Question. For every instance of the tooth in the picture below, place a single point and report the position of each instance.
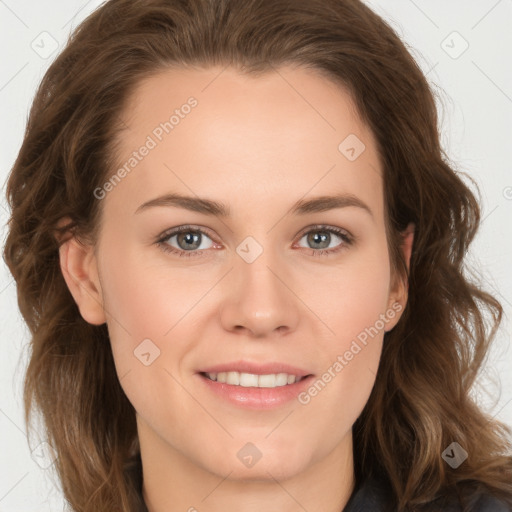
(252, 380)
(281, 379)
(248, 380)
(232, 378)
(266, 381)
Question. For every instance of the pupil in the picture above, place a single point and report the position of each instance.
(189, 238)
(323, 237)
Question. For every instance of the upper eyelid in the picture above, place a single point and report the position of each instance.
(174, 231)
(318, 227)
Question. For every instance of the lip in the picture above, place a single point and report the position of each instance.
(256, 369)
(253, 397)
(256, 398)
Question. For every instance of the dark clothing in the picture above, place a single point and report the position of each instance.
(375, 495)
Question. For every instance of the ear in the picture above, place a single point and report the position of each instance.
(399, 293)
(79, 268)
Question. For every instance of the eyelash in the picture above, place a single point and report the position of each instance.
(161, 242)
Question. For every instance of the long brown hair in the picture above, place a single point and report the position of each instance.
(421, 399)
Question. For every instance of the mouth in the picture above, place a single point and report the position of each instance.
(256, 386)
(253, 380)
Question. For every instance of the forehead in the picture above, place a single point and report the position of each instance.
(222, 134)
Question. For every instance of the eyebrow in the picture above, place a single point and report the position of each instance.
(218, 209)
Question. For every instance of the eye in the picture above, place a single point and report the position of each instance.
(320, 238)
(189, 241)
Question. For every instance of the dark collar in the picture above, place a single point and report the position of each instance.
(374, 494)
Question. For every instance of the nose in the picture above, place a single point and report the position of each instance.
(260, 301)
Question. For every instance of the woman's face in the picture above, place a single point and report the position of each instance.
(278, 282)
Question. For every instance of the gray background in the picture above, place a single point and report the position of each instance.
(464, 47)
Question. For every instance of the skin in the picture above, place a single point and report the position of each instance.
(258, 145)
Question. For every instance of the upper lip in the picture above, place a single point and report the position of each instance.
(256, 368)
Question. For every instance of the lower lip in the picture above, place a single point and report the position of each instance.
(257, 398)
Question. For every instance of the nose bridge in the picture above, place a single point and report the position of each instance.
(258, 298)
(257, 266)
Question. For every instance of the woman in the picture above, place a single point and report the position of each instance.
(239, 249)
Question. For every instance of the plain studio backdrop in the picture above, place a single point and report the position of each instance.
(464, 47)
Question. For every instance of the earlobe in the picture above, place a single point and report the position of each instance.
(79, 269)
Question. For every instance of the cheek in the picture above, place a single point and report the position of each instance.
(353, 307)
(149, 328)
(153, 312)
(350, 297)
(144, 294)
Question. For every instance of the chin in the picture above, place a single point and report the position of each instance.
(266, 464)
